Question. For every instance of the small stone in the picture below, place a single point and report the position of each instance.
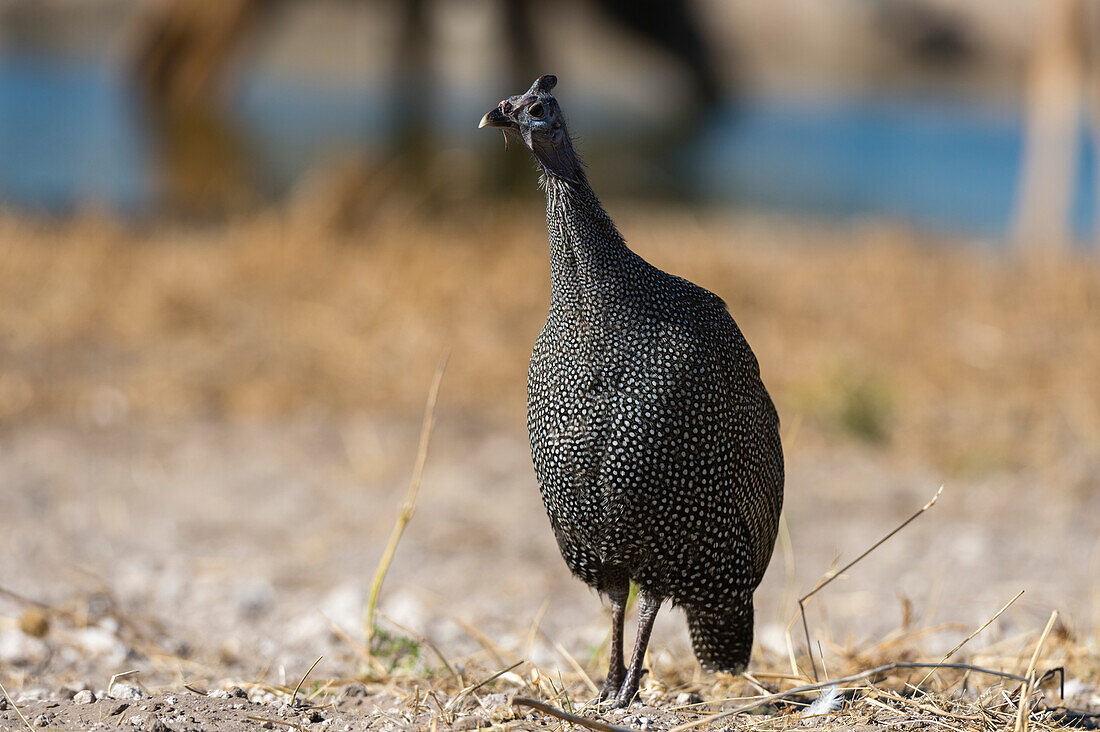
(3, 704)
(171, 700)
(127, 691)
(267, 725)
(315, 716)
(686, 698)
(219, 694)
(237, 692)
(42, 720)
(84, 697)
(468, 723)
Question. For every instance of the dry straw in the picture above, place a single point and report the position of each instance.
(1030, 681)
(408, 507)
(828, 578)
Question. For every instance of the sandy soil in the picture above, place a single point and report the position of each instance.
(205, 437)
(222, 554)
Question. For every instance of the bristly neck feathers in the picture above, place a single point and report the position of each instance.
(586, 250)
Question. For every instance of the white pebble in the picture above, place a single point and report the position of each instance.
(128, 692)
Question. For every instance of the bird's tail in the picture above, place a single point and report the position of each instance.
(722, 639)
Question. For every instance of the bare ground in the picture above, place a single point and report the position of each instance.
(204, 442)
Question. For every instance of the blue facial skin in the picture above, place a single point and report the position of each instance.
(537, 119)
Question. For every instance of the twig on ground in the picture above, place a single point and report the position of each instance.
(968, 638)
(825, 581)
(446, 716)
(843, 680)
(409, 506)
(926, 707)
(754, 682)
(522, 701)
(496, 676)
(118, 676)
(294, 694)
(453, 703)
(1029, 683)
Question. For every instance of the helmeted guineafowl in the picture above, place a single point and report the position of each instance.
(655, 444)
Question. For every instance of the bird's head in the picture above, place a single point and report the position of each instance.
(535, 117)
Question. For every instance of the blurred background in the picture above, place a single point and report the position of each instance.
(237, 235)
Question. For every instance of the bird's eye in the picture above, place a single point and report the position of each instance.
(536, 110)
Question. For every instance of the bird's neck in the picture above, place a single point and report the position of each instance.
(586, 250)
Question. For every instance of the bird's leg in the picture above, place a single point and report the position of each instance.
(648, 605)
(616, 670)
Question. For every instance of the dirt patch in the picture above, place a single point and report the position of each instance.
(339, 708)
(205, 437)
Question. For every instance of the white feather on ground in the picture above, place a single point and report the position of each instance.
(829, 701)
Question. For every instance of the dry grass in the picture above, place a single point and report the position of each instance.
(954, 356)
(871, 688)
(411, 689)
(960, 356)
(676, 695)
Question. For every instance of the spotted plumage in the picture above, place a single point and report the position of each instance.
(655, 443)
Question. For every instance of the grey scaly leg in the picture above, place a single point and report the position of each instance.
(616, 670)
(648, 605)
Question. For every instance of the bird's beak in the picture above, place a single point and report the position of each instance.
(494, 118)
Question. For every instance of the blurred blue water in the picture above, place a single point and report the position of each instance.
(935, 162)
(70, 132)
(68, 135)
(292, 125)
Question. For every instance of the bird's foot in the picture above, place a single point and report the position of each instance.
(625, 697)
(609, 692)
(606, 698)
